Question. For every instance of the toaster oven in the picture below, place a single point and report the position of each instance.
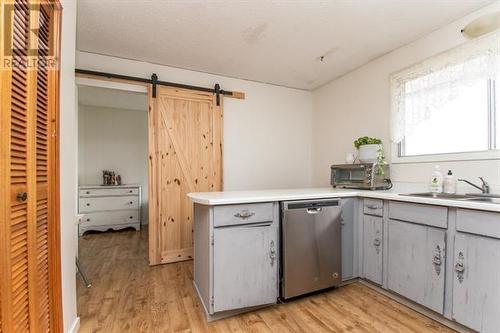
(368, 176)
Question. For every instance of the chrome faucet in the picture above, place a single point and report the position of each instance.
(485, 187)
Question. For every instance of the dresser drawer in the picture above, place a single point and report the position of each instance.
(435, 216)
(108, 191)
(479, 222)
(373, 207)
(91, 204)
(110, 218)
(243, 214)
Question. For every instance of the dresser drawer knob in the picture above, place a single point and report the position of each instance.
(131, 217)
(88, 192)
(130, 191)
(88, 220)
(88, 204)
(131, 202)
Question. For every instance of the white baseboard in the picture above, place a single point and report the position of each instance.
(75, 327)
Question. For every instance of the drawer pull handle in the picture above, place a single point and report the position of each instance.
(272, 253)
(130, 191)
(245, 214)
(372, 207)
(460, 267)
(131, 217)
(88, 220)
(88, 204)
(22, 196)
(131, 202)
(377, 242)
(436, 260)
(88, 192)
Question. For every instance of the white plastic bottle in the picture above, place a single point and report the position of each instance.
(436, 185)
(449, 183)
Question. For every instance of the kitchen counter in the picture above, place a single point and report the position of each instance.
(240, 197)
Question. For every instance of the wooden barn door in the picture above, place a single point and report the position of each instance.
(30, 287)
(185, 143)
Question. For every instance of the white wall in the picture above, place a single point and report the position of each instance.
(68, 165)
(113, 139)
(357, 104)
(267, 136)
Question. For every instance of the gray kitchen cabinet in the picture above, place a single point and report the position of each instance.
(416, 263)
(236, 257)
(476, 282)
(372, 248)
(348, 239)
(245, 266)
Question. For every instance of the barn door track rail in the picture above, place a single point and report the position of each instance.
(155, 82)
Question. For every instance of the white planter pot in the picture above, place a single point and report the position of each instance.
(368, 153)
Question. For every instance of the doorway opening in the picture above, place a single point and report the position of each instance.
(112, 188)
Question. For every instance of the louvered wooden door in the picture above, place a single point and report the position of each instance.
(30, 291)
(185, 141)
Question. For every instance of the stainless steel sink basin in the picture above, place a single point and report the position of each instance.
(492, 200)
(438, 195)
(486, 198)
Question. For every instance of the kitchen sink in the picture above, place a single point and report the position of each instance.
(439, 195)
(493, 200)
(486, 198)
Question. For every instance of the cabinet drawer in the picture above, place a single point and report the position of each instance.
(434, 216)
(110, 218)
(91, 204)
(478, 222)
(373, 207)
(243, 214)
(105, 191)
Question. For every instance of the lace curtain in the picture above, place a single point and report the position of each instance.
(420, 90)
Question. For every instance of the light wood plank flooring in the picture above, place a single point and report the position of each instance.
(129, 296)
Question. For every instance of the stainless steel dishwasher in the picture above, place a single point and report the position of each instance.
(311, 249)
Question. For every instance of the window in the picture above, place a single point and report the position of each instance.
(447, 105)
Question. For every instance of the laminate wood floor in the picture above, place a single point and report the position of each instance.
(129, 296)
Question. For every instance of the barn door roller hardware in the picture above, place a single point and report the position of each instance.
(217, 94)
(155, 82)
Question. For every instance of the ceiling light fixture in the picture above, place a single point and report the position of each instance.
(482, 25)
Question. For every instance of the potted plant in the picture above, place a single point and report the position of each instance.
(369, 149)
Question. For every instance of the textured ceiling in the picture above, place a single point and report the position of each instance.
(278, 42)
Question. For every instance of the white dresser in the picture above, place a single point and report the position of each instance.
(109, 207)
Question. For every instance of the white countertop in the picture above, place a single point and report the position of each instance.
(239, 197)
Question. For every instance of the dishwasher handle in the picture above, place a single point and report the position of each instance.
(313, 210)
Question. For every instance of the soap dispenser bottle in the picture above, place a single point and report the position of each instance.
(436, 185)
(449, 183)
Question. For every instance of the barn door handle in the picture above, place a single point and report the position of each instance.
(22, 196)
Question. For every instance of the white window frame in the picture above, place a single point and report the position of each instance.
(493, 153)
